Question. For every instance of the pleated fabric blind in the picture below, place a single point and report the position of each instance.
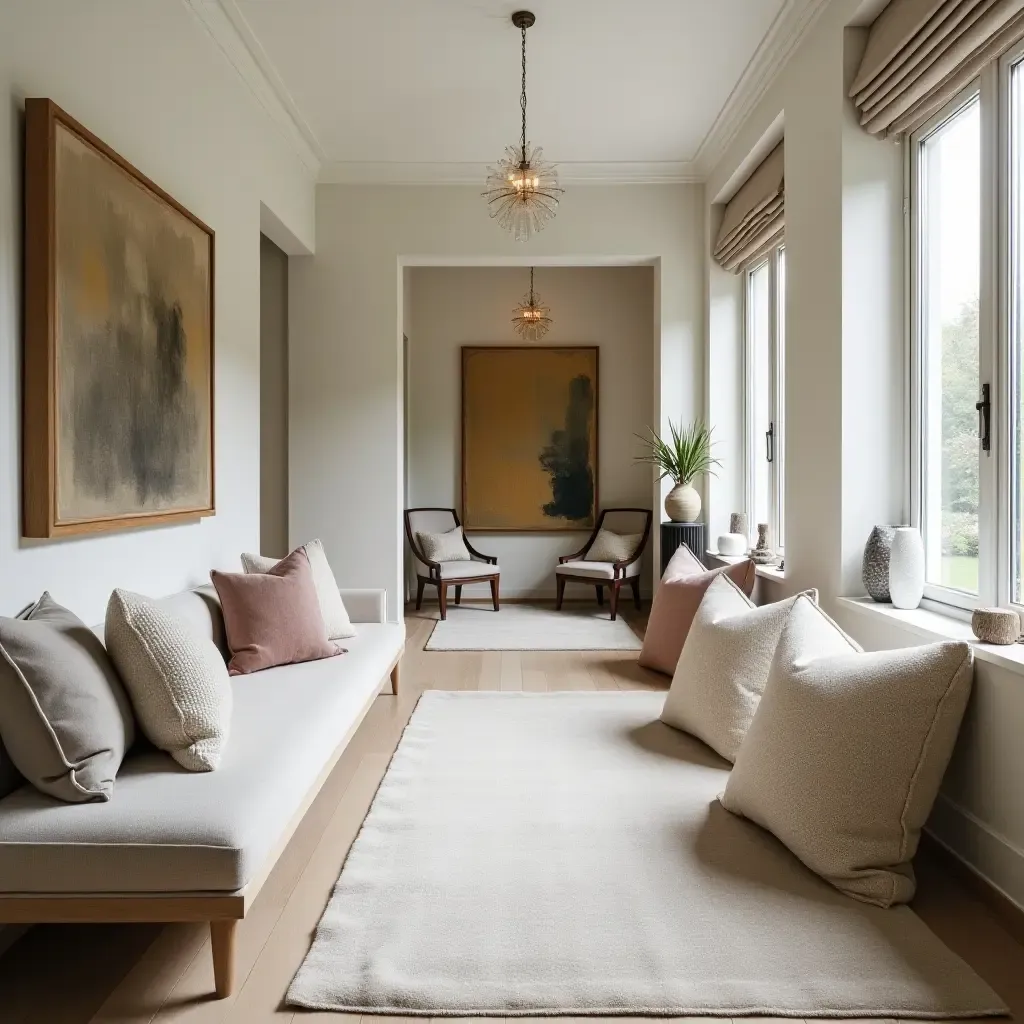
(755, 216)
(921, 53)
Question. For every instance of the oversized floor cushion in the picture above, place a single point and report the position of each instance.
(170, 830)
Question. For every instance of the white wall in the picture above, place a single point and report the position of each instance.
(845, 395)
(346, 329)
(611, 307)
(273, 399)
(148, 79)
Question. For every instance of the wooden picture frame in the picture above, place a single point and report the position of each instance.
(144, 387)
(522, 484)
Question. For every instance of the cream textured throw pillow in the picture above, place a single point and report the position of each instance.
(332, 607)
(444, 547)
(613, 547)
(177, 680)
(845, 755)
(724, 665)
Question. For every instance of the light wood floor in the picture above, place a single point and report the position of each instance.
(139, 973)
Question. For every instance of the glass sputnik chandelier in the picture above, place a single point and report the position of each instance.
(522, 189)
(532, 318)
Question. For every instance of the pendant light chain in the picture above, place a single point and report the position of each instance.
(531, 286)
(522, 96)
(522, 188)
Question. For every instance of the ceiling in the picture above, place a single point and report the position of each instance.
(429, 89)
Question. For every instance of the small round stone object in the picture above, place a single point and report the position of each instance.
(996, 625)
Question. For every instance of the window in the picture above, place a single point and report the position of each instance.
(949, 237)
(765, 311)
(966, 235)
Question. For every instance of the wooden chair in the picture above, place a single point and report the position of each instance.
(612, 575)
(482, 568)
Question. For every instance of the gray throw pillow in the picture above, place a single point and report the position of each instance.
(10, 778)
(65, 719)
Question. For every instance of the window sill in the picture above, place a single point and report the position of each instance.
(933, 625)
(766, 572)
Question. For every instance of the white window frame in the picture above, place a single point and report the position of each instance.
(995, 321)
(757, 446)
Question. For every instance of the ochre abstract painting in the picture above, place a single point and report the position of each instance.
(529, 438)
(127, 341)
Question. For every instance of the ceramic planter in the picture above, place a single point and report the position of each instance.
(682, 504)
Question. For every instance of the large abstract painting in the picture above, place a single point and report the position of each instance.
(118, 419)
(529, 438)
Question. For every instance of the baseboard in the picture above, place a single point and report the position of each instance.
(988, 863)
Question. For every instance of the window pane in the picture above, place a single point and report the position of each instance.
(761, 383)
(950, 242)
(780, 401)
(1017, 326)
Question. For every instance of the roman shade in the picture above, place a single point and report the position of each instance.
(754, 218)
(921, 53)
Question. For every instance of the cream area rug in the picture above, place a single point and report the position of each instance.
(564, 854)
(525, 627)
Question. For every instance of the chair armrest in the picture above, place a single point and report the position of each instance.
(365, 605)
(478, 555)
(575, 556)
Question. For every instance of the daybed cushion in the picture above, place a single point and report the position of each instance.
(596, 570)
(169, 830)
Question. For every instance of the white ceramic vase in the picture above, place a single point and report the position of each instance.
(732, 544)
(906, 568)
(682, 504)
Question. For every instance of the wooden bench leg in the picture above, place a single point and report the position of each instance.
(394, 678)
(222, 937)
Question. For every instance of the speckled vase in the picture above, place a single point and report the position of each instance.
(875, 567)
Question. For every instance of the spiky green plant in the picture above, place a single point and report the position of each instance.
(685, 455)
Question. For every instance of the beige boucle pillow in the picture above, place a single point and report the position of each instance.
(724, 664)
(846, 753)
(613, 547)
(177, 680)
(445, 547)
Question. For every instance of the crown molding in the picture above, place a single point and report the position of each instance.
(791, 25)
(229, 30)
(352, 172)
(226, 24)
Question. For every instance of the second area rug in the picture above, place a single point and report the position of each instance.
(526, 627)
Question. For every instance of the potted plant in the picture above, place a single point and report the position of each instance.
(685, 456)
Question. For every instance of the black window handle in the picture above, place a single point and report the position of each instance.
(984, 408)
(769, 438)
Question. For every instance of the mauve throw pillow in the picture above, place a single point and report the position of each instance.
(272, 618)
(675, 604)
